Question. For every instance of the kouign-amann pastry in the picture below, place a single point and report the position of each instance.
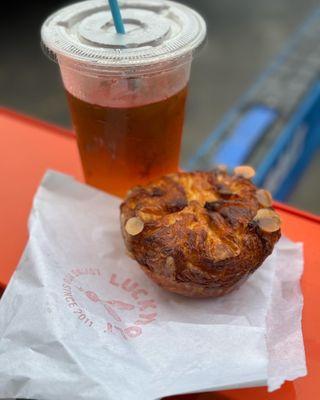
(200, 234)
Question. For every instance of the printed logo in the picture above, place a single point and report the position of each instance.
(124, 310)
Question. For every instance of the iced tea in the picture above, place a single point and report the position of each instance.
(126, 92)
(123, 147)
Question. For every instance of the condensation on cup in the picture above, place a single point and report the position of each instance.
(126, 93)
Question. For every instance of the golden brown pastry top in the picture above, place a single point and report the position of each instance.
(205, 223)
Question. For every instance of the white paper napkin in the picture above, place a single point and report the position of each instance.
(79, 320)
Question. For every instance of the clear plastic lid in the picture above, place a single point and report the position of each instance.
(156, 31)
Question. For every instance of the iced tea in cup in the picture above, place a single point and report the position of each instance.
(126, 92)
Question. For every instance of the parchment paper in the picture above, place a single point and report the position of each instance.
(79, 320)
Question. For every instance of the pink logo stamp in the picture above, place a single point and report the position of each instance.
(123, 306)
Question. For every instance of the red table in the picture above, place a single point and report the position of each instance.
(31, 147)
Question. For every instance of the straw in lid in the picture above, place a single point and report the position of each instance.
(156, 31)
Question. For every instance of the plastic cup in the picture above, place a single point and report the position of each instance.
(126, 93)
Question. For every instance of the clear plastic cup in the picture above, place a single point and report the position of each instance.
(126, 92)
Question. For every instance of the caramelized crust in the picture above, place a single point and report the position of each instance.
(199, 236)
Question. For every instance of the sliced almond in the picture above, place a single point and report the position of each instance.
(264, 198)
(245, 171)
(269, 225)
(221, 167)
(267, 213)
(268, 220)
(170, 262)
(134, 226)
(170, 267)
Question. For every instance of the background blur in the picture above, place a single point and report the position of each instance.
(244, 36)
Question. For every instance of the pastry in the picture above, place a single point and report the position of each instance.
(200, 234)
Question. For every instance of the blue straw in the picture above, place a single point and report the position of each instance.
(116, 14)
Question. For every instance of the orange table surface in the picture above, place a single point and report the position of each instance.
(31, 147)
